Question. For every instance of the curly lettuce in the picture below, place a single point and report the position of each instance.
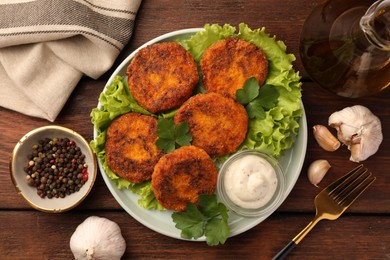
(115, 101)
(274, 133)
(277, 132)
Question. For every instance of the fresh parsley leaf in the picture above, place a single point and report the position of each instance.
(208, 205)
(182, 136)
(217, 228)
(171, 136)
(165, 128)
(255, 109)
(249, 92)
(210, 219)
(165, 144)
(223, 211)
(268, 96)
(216, 231)
(257, 100)
(190, 222)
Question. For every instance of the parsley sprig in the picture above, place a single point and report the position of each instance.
(171, 136)
(210, 218)
(257, 100)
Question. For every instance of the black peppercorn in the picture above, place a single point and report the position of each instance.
(53, 167)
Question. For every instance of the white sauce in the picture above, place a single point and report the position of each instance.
(250, 182)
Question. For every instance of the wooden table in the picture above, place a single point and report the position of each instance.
(363, 232)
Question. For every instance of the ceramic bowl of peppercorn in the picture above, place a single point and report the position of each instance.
(53, 168)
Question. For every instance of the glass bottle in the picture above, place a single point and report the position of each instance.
(345, 46)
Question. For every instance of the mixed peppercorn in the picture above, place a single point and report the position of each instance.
(56, 168)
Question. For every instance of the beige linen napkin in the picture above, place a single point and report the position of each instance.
(46, 46)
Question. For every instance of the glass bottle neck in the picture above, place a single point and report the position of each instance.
(376, 24)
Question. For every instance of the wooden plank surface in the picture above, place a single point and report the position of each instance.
(362, 233)
(43, 236)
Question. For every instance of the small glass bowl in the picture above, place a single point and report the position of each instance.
(264, 210)
(19, 159)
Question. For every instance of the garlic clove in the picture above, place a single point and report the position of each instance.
(355, 152)
(359, 129)
(325, 138)
(317, 171)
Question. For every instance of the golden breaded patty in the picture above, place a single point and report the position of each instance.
(130, 147)
(162, 76)
(228, 63)
(218, 124)
(182, 175)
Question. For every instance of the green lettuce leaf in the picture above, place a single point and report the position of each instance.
(275, 130)
(200, 41)
(147, 199)
(115, 101)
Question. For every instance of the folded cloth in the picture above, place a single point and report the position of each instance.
(46, 46)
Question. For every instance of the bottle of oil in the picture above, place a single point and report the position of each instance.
(345, 46)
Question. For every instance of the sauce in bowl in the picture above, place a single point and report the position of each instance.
(251, 183)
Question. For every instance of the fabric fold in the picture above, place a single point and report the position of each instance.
(46, 46)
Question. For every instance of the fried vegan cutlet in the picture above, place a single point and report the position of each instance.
(217, 124)
(162, 76)
(130, 147)
(228, 63)
(182, 175)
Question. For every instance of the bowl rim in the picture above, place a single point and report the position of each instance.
(276, 197)
(18, 146)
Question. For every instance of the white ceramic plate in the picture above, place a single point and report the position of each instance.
(161, 222)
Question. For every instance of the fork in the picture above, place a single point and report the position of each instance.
(332, 201)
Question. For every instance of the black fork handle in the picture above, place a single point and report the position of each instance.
(285, 251)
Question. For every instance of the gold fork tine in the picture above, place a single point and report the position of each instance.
(354, 178)
(333, 186)
(357, 191)
(332, 201)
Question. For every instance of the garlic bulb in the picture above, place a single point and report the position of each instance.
(325, 138)
(359, 129)
(97, 238)
(317, 171)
